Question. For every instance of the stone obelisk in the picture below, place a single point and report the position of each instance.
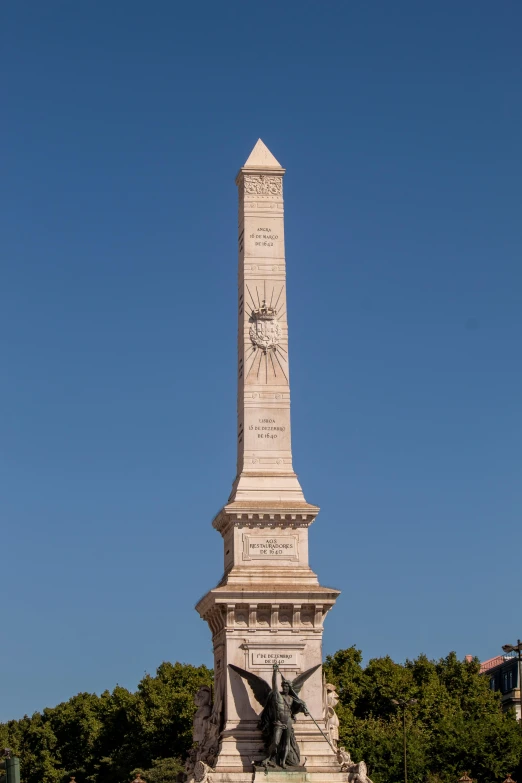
(264, 452)
(268, 607)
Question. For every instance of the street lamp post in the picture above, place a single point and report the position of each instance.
(518, 649)
(404, 703)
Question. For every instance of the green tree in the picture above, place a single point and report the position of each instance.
(76, 725)
(39, 752)
(154, 723)
(162, 771)
(456, 724)
(101, 739)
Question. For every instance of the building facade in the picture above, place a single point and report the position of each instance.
(503, 674)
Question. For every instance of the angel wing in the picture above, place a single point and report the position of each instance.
(260, 688)
(300, 680)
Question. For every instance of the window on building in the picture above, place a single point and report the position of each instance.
(492, 683)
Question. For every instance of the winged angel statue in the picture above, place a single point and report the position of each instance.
(278, 715)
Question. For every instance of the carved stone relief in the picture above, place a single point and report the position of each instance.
(241, 615)
(331, 699)
(263, 185)
(265, 331)
(357, 773)
(207, 727)
(263, 615)
(285, 615)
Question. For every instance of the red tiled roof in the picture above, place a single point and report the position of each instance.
(491, 663)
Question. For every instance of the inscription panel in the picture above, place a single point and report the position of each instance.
(266, 429)
(269, 657)
(264, 237)
(270, 548)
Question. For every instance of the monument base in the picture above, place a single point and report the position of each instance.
(242, 746)
(288, 776)
(259, 775)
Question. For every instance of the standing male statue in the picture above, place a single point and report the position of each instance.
(278, 715)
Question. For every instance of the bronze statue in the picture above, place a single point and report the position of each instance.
(278, 715)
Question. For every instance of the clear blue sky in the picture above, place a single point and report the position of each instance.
(124, 124)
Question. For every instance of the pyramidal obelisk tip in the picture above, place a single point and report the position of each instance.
(261, 158)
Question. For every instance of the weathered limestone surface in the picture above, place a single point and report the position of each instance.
(269, 606)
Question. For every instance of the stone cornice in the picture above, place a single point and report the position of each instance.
(265, 514)
(293, 594)
(258, 171)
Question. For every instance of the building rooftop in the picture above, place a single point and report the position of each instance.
(491, 663)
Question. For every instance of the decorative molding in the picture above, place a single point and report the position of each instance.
(262, 206)
(271, 523)
(263, 185)
(223, 522)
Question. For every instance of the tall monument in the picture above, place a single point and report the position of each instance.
(269, 607)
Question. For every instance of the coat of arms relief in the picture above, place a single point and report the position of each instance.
(265, 331)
